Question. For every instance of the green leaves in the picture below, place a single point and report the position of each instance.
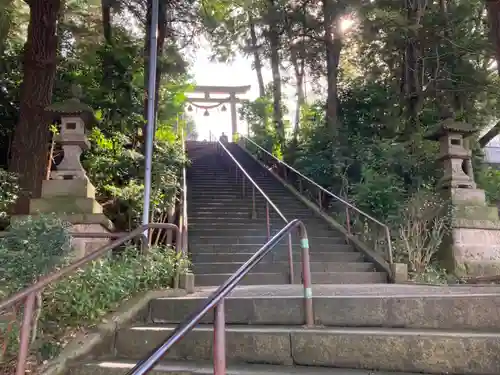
(91, 292)
(44, 240)
(8, 193)
(37, 246)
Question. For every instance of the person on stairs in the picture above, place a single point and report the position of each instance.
(223, 139)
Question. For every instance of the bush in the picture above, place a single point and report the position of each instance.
(488, 178)
(94, 290)
(8, 194)
(422, 227)
(43, 240)
(82, 298)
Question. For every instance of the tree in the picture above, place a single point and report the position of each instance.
(29, 147)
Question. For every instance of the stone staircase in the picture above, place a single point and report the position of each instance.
(223, 235)
(361, 329)
(379, 329)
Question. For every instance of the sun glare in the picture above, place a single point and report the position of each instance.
(346, 23)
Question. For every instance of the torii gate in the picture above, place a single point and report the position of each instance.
(231, 98)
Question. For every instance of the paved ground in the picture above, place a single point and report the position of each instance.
(375, 290)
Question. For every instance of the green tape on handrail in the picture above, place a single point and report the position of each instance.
(308, 293)
(304, 243)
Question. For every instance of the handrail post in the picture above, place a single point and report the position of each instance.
(268, 222)
(24, 339)
(254, 212)
(219, 345)
(243, 186)
(320, 200)
(290, 259)
(348, 220)
(306, 276)
(389, 244)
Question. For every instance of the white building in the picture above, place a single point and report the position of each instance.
(492, 151)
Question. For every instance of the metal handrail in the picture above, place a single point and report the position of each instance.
(269, 203)
(336, 197)
(216, 301)
(183, 220)
(30, 293)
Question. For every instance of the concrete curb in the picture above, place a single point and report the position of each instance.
(132, 310)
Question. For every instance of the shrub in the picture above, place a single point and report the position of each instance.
(8, 194)
(43, 240)
(79, 299)
(488, 178)
(421, 230)
(93, 291)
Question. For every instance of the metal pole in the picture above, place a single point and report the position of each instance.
(24, 341)
(268, 221)
(219, 346)
(306, 278)
(290, 259)
(151, 114)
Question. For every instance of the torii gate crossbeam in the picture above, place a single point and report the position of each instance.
(231, 98)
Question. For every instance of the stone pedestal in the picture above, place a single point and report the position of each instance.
(472, 247)
(74, 201)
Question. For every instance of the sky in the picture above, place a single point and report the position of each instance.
(205, 72)
(238, 73)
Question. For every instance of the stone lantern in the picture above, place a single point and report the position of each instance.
(74, 117)
(69, 193)
(472, 245)
(454, 154)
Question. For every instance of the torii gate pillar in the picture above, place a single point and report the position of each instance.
(229, 96)
(234, 117)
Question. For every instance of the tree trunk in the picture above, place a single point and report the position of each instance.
(106, 20)
(256, 57)
(274, 42)
(333, 47)
(493, 7)
(31, 135)
(413, 67)
(298, 67)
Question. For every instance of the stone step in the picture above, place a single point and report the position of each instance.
(230, 187)
(209, 195)
(246, 210)
(282, 267)
(204, 227)
(229, 257)
(228, 181)
(279, 250)
(116, 367)
(253, 224)
(219, 220)
(214, 241)
(428, 351)
(249, 230)
(203, 241)
(274, 218)
(389, 306)
(262, 278)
